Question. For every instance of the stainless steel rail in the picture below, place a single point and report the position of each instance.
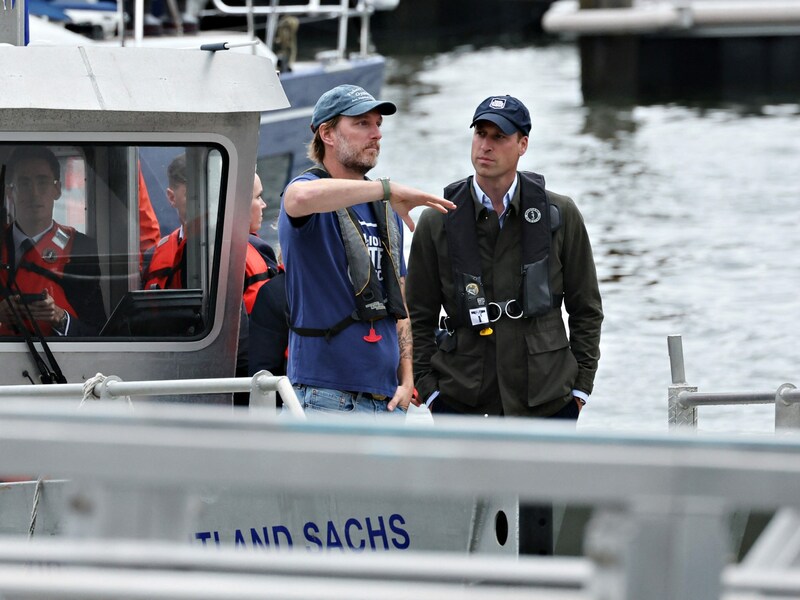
(434, 571)
(684, 399)
(262, 387)
(343, 11)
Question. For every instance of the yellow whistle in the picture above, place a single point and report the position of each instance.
(487, 331)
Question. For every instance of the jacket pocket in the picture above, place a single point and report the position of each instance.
(460, 372)
(552, 369)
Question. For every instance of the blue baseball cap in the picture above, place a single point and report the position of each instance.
(347, 100)
(508, 113)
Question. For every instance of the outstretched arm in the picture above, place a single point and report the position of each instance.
(303, 198)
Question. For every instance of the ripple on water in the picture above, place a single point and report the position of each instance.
(692, 213)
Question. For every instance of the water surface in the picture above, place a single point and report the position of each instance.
(693, 214)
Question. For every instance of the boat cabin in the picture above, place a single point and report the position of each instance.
(115, 119)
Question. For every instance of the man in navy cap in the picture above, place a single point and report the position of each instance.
(502, 265)
(342, 244)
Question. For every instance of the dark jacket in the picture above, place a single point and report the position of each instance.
(269, 328)
(527, 367)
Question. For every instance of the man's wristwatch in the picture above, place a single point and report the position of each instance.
(62, 324)
(387, 188)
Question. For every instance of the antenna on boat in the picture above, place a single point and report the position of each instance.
(215, 47)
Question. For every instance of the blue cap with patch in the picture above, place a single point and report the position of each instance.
(508, 113)
(347, 100)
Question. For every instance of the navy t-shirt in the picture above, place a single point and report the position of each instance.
(320, 295)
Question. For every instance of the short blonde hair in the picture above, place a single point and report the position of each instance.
(316, 147)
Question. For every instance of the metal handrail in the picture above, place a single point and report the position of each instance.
(684, 399)
(342, 11)
(690, 399)
(562, 572)
(310, 8)
(259, 385)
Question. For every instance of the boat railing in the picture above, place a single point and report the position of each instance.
(261, 386)
(684, 399)
(631, 17)
(363, 9)
(167, 571)
(659, 532)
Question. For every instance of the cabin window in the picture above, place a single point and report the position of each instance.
(109, 240)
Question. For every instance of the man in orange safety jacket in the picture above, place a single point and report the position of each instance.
(49, 272)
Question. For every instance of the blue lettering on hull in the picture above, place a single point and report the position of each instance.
(378, 534)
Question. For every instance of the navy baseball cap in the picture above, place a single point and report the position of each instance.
(347, 100)
(508, 113)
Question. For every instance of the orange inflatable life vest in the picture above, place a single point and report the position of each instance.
(40, 268)
(165, 268)
(256, 273)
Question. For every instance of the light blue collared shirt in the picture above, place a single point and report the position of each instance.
(487, 202)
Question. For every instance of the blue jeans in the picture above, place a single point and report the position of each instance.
(319, 401)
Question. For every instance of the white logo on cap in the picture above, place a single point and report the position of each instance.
(359, 94)
(497, 103)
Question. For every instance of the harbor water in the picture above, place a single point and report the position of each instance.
(693, 214)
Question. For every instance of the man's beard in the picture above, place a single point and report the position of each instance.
(353, 158)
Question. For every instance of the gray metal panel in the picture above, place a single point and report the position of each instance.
(484, 457)
(124, 79)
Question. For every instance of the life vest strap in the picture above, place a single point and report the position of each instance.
(266, 275)
(33, 267)
(330, 331)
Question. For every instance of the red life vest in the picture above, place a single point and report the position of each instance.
(40, 268)
(164, 271)
(256, 273)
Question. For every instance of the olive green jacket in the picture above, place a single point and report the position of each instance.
(526, 367)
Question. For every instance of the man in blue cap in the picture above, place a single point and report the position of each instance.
(501, 265)
(342, 244)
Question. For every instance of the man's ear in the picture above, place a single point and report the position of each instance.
(58, 190)
(171, 197)
(326, 134)
(523, 145)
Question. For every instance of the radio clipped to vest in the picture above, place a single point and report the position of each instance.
(474, 303)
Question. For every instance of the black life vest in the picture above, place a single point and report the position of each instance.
(374, 300)
(538, 220)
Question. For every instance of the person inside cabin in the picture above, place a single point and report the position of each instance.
(164, 265)
(50, 275)
(501, 266)
(342, 244)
